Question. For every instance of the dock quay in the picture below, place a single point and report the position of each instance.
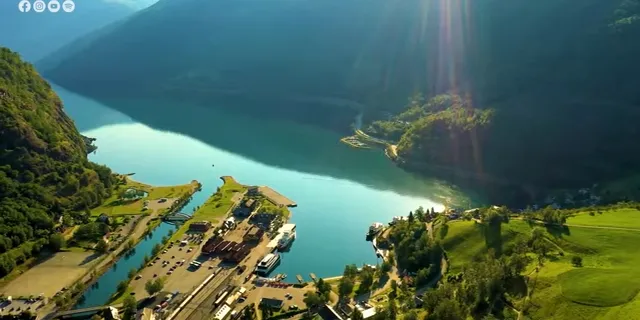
(276, 197)
(273, 244)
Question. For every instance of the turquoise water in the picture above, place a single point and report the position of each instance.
(340, 191)
(100, 292)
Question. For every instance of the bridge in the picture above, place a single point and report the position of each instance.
(178, 216)
(84, 312)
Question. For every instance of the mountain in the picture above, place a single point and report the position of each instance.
(560, 75)
(45, 176)
(36, 35)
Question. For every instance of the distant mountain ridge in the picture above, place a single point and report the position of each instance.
(560, 75)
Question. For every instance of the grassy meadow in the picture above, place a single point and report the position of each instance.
(114, 206)
(605, 286)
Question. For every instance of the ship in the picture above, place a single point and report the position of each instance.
(287, 238)
(374, 229)
(267, 264)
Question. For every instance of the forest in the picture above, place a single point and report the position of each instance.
(46, 181)
(560, 79)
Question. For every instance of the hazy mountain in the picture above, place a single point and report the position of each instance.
(36, 35)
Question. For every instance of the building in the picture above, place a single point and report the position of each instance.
(146, 314)
(253, 234)
(272, 303)
(200, 226)
(328, 313)
(253, 191)
(222, 312)
(250, 204)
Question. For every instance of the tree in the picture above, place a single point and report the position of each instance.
(132, 273)
(323, 288)
(56, 242)
(411, 219)
(130, 306)
(102, 246)
(154, 286)
(577, 261)
(422, 277)
(366, 279)
(394, 289)
(385, 267)
(122, 286)
(313, 300)
(156, 249)
(356, 314)
(345, 287)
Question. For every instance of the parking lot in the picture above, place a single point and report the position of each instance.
(173, 265)
(296, 296)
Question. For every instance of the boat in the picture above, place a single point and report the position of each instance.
(286, 240)
(374, 229)
(267, 264)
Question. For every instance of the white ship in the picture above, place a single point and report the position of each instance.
(267, 264)
(287, 238)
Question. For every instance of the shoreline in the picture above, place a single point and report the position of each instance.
(142, 227)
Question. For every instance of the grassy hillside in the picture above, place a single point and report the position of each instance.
(604, 285)
(46, 181)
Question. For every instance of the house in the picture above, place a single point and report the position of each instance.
(200, 226)
(253, 191)
(111, 314)
(328, 313)
(272, 303)
(132, 194)
(253, 234)
(250, 203)
(104, 218)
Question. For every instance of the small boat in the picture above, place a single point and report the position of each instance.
(284, 276)
(213, 165)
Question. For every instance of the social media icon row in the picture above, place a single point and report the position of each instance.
(52, 5)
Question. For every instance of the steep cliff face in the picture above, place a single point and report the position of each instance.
(44, 171)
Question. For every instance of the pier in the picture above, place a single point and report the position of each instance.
(276, 197)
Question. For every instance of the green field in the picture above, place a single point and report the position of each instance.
(605, 287)
(620, 218)
(113, 206)
(217, 206)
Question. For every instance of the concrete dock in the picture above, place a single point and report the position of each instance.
(276, 197)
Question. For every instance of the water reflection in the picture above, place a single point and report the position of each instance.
(282, 144)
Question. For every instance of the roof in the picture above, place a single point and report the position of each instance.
(328, 313)
(272, 302)
(368, 313)
(254, 231)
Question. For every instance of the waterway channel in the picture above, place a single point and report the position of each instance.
(340, 191)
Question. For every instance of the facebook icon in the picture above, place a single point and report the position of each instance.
(24, 6)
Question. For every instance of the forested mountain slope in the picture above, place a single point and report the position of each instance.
(45, 177)
(560, 75)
